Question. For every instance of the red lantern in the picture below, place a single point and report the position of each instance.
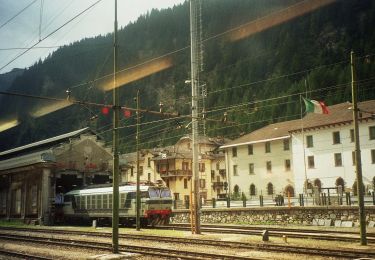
(105, 110)
(127, 113)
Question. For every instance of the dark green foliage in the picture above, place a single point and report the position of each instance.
(256, 81)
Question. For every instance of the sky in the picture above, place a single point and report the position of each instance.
(26, 30)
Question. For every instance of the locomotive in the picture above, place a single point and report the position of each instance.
(95, 203)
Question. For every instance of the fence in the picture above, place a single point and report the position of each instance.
(319, 199)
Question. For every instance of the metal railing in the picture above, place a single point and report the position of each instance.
(302, 200)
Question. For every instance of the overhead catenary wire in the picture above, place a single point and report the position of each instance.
(174, 116)
(48, 35)
(17, 14)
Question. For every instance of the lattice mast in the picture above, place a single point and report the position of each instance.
(195, 96)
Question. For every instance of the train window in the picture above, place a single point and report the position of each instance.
(83, 202)
(144, 194)
(99, 202)
(122, 200)
(93, 202)
(110, 201)
(88, 198)
(166, 193)
(105, 201)
(128, 201)
(154, 193)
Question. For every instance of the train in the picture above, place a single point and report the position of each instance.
(95, 203)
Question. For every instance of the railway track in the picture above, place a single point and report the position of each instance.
(341, 253)
(19, 255)
(344, 236)
(107, 247)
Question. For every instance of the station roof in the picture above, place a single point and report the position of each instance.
(338, 114)
(43, 156)
(270, 132)
(43, 144)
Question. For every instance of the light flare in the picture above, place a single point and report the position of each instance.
(277, 18)
(8, 124)
(129, 75)
(50, 108)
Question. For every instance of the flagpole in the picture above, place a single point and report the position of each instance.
(303, 145)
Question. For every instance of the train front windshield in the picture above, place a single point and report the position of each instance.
(159, 193)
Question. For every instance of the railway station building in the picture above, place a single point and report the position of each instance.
(34, 176)
(261, 163)
(304, 156)
(327, 143)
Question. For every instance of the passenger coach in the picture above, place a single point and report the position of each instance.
(96, 204)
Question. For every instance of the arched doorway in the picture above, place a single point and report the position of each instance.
(340, 184)
(355, 189)
(270, 188)
(252, 190)
(318, 183)
(236, 191)
(289, 190)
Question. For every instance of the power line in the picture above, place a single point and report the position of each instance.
(54, 31)
(285, 96)
(14, 16)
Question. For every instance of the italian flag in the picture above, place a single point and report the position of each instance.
(313, 106)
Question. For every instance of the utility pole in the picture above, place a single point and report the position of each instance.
(115, 172)
(358, 164)
(194, 113)
(138, 206)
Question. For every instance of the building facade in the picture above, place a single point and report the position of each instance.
(174, 165)
(261, 163)
(34, 176)
(315, 153)
(147, 172)
(324, 147)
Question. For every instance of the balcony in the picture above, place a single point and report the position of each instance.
(223, 172)
(175, 173)
(218, 184)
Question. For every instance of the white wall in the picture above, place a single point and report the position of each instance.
(279, 177)
(323, 152)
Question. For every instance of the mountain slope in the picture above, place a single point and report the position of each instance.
(255, 81)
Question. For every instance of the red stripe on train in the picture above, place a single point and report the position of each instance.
(162, 212)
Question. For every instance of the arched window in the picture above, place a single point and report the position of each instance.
(340, 182)
(252, 190)
(270, 188)
(318, 183)
(236, 192)
(355, 189)
(289, 190)
(308, 186)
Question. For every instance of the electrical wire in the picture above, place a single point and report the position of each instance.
(17, 14)
(53, 32)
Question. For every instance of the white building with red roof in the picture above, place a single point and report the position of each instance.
(316, 150)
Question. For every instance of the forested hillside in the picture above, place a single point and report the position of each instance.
(254, 81)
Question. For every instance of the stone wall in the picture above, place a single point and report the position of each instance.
(333, 215)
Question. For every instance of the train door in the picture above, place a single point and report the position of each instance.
(129, 204)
